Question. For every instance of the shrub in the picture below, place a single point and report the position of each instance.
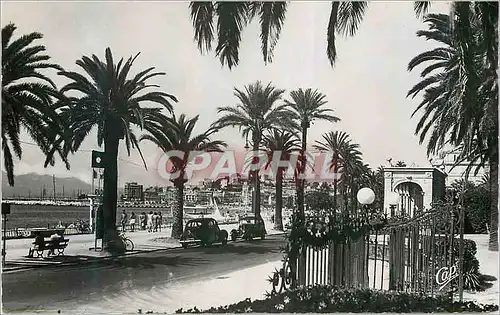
(327, 299)
(477, 204)
(472, 278)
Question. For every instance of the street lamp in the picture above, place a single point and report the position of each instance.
(365, 196)
(393, 200)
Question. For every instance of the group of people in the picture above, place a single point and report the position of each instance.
(151, 221)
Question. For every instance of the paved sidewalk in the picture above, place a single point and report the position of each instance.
(81, 248)
(217, 290)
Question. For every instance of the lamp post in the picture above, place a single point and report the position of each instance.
(5, 212)
(393, 200)
(366, 197)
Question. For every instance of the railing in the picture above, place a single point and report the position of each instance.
(27, 232)
(17, 233)
(401, 256)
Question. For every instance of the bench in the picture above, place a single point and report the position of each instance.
(53, 247)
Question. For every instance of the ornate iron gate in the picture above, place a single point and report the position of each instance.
(403, 254)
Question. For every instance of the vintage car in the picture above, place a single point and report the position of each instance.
(203, 231)
(249, 228)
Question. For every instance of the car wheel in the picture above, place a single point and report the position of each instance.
(263, 236)
(184, 245)
(224, 241)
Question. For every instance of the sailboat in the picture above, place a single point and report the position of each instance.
(216, 214)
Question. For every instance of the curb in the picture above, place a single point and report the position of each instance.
(94, 259)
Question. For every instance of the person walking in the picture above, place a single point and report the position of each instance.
(124, 220)
(155, 222)
(160, 221)
(150, 221)
(142, 221)
(132, 222)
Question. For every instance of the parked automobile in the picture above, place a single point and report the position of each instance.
(203, 231)
(249, 227)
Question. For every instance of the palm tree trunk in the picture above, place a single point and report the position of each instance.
(178, 210)
(335, 184)
(256, 183)
(111, 240)
(278, 214)
(301, 262)
(493, 241)
(301, 182)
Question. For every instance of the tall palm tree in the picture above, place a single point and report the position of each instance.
(27, 99)
(176, 134)
(354, 175)
(286, 143)
(307, 106)
(256, 113)
(111, 100)
(233, 17)
(345, 155)
(460, 103)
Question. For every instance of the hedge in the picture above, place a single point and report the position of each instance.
(327, 299)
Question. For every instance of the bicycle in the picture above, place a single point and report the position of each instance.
(127, 243)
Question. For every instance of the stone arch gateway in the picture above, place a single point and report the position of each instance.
(418, 188)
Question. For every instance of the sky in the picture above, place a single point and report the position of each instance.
(366, 88)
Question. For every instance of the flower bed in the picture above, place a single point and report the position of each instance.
(326, 299)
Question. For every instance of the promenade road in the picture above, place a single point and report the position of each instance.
(67, 287)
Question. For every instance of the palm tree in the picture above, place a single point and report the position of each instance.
(27, 99)
(307, 106)
(172, 134)
(233, 17)
(111, 101)
(345, 155)
(256, 113)
(286, 143)
(460, 103)
(400, 164)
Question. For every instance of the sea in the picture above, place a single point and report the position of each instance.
(32, 216)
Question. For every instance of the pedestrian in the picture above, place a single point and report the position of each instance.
(155, 222)
(132, 222)
(150, 221)
(54, 241)
(142, 220)
(124, 220)
(160, 221)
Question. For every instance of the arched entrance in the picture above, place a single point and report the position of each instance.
(411, 198)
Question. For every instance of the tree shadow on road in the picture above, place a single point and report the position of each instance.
(135, 262)
(246, 249)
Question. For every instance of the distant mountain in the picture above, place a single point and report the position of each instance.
(33, 185)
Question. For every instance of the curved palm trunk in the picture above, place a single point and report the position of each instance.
(111, 240)
(278, 212)
(493, 241)
(178, 210)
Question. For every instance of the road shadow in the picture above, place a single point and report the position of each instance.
(127, 262)
(135, 261)
(239, 248)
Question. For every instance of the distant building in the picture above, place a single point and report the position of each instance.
(445, 161)
(152, 195)
(190, 195)
(134, 192)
